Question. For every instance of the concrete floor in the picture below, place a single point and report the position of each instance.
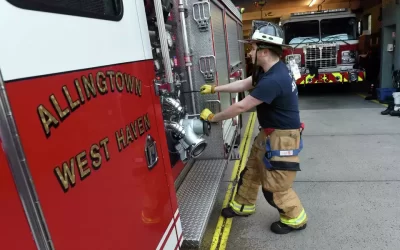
(349, 183)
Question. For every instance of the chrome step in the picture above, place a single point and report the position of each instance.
(196, 197)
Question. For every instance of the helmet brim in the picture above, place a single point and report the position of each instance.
(264, 42)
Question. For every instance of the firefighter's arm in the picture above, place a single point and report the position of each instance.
(247, 103)
(233, 87)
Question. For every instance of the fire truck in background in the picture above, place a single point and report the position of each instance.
(325, 44)
(101, 142)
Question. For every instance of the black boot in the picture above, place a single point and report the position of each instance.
(395, 113)
(229, 213)
(389, 109)
(280, 228)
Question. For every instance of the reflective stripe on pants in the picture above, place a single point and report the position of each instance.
(276, 186)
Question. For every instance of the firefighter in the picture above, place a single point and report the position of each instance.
(273, 161)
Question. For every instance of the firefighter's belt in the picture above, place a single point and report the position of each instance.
(282, 148)
(281, 153)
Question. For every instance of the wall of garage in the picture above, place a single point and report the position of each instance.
(390, 24)
(369, 14)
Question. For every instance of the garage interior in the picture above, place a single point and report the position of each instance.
(350, 178)
(377, 41)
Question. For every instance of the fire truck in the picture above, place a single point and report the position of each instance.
(324, 46)
(102, 146)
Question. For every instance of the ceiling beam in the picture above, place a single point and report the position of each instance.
(284, 10)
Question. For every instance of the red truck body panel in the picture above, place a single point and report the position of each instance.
(98, 120)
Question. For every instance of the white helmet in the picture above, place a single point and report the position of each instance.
(266, 33)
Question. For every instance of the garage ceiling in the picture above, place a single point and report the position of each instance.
(275, 9)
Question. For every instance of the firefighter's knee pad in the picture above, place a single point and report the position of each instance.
(269, 196)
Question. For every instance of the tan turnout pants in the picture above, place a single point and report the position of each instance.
(276, 184)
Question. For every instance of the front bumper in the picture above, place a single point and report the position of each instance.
(332, 77)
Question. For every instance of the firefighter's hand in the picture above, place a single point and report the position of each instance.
(207, 89)
(206, 115)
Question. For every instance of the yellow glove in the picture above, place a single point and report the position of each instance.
(207, 89)
(206, 115)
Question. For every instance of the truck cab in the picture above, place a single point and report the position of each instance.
(325, 46)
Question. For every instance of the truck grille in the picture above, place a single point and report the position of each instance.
(321, 56)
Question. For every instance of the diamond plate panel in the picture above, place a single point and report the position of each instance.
(181, 177)
(196, 197)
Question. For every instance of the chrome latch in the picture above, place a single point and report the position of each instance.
(151, 152)
(207, 65)
(201, 14)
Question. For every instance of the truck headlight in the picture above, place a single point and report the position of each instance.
(349, 56)
(296, 57)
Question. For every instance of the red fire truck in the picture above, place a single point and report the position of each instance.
(325, 44)
(101, 142)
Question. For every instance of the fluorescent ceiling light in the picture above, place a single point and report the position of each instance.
(311, 3)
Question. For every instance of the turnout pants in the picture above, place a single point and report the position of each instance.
(276, 181)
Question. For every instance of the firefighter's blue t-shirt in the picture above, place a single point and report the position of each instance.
(278, 91)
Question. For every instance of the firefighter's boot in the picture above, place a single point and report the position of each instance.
(395, 113)
(228, 212)
(281, 228)
(389, 109)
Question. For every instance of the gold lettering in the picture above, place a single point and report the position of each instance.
(119, 81)
(102, 83)
(146, 122)
(72, 104)
(89, 86)
(79, 89)
(104, 143)
(111, 74)
(140, 125)
(129, 84)
(120, 140)
(95, 156)
(129, 137)
(67, 176)
(134, 130)
(47, 120)
(61, 113)
(138, 87)
(82, 163)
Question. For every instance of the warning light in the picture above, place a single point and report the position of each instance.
(306, 13)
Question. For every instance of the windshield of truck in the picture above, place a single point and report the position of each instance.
(336, 29)
(301, 32)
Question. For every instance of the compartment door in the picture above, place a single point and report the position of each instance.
(217, 22)
(233, 43)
